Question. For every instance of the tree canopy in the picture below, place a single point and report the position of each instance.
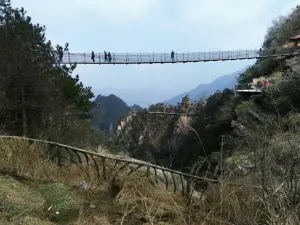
(39, 96)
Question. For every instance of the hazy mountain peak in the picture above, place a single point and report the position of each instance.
(205, 90)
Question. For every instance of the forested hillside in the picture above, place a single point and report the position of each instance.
(39, 97)
(259, 132)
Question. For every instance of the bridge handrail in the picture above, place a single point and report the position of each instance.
(116, 158)
(139, 163)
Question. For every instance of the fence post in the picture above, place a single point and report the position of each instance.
(84, 58)
(99, 59)
(126, 58)
(69, 58)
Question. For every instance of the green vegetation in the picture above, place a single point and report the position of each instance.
(165, 144)
(235, 132)
(39, 96)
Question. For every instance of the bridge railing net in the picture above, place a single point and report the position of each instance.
(139, 58)
(159, 57)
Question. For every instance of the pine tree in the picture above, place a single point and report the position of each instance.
(39, 96)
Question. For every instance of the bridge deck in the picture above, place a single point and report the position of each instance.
(250, 90)
(161, 58)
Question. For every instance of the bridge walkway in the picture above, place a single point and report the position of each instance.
(162, 58)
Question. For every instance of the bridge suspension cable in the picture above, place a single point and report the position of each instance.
(189, 57)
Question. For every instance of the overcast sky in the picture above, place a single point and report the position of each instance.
(155, 26)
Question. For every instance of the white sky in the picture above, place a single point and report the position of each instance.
(155, 26)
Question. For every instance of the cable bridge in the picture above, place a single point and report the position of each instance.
(162, 58)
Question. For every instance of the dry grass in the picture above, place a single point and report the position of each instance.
(59, 191)
(140, 199)
(46, 189)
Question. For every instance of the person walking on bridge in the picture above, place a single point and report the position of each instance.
(105, 56)
(93, 56)
(172, 55)
(109, 57)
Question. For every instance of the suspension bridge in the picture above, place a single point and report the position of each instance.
(162, 58)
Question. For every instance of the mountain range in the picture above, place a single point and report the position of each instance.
(205, 90)
(139, 96)
(107, 112)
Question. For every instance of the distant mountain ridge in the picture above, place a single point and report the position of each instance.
(136, 107)
(108, 111)
(143, 97)
(205, 90)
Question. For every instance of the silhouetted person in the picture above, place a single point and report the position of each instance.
(109, 57)
(172, 55)
(93, 56)
(105, 56)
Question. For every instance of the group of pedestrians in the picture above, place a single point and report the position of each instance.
(107, 56)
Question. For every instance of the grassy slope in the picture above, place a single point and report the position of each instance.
(33, 189)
